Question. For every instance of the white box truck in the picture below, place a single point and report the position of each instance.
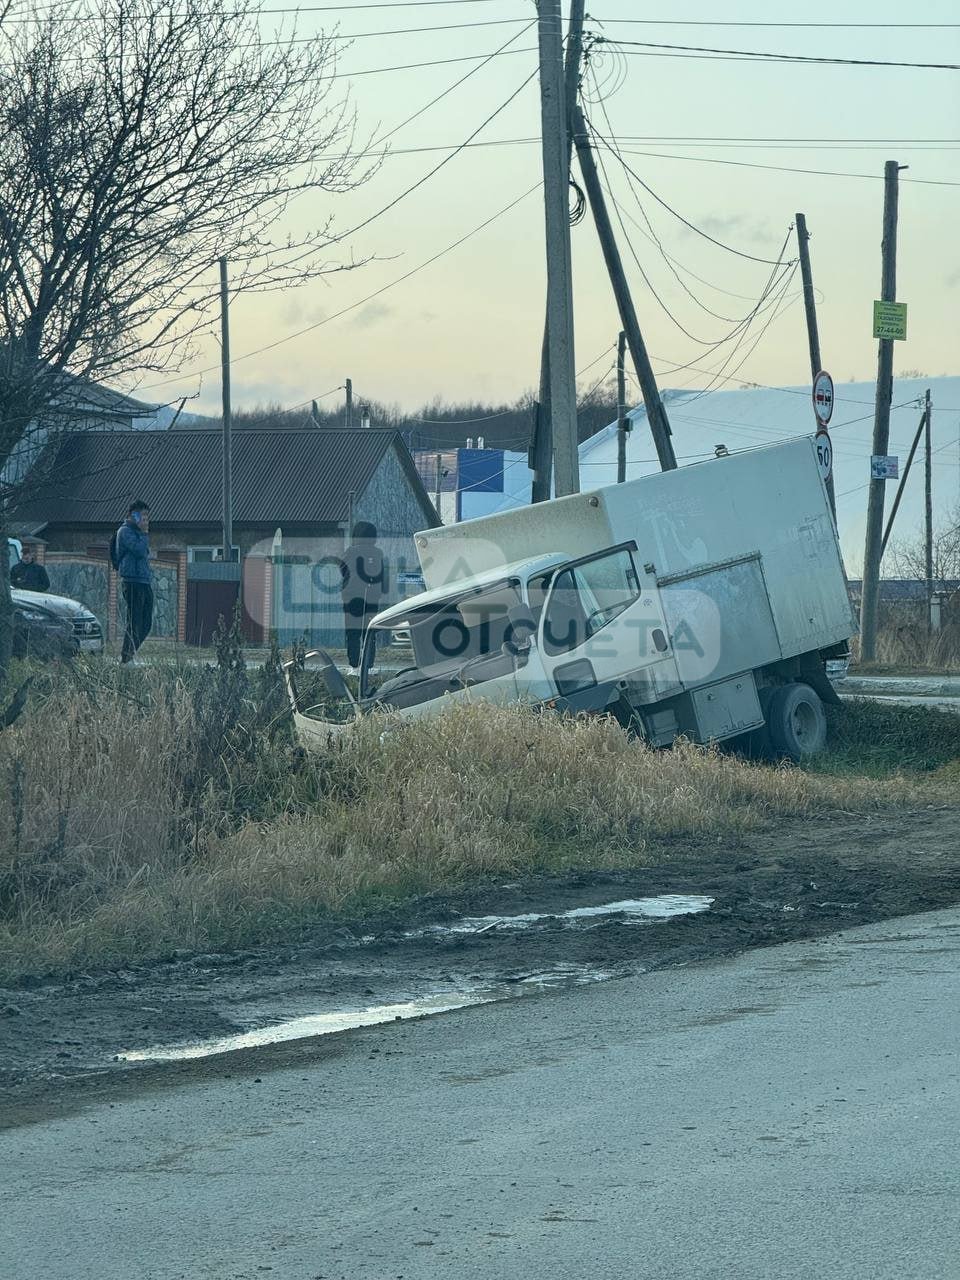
(702, 602)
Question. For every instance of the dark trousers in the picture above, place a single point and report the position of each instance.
(355, 626)
(138, 597)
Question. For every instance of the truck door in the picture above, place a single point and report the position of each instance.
(602, 624)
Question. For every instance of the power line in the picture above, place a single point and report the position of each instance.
(781, 168)
(450, 89)
(851, 26)
(676, 214)
(436, 169)
(651, 234)
(753, 55)
(321, 8)
(740, 326)
(361, 301)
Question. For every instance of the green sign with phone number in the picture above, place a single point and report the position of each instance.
(890, 320)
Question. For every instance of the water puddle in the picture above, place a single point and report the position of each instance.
(321, 1024)
(663, 907)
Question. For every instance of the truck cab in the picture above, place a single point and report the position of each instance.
(703, 602)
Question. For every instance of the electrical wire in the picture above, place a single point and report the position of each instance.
(753, 55)
(740, 325)
(259, 12)
(780, 168)
(450, 89)
(436, 169)
(361, 301)
(740, 253)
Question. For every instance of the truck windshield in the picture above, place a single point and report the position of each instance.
(451, 643)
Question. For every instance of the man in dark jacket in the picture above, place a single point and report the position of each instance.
(363, 584)
(133, 565)
(28, 575)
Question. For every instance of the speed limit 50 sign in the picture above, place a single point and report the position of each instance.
(824, 454)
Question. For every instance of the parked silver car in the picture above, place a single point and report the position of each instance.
(47, 624)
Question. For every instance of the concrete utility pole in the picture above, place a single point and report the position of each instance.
(227, 415)
(438, 484)
(541, 449)
(870, 597)
(813, 333)
(348, 408)
(928, 504)
(623, 422)
(656, 414)
(556, 173)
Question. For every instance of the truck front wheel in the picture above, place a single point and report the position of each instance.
(796, 722)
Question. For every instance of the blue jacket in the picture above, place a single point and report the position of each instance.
(133, 553)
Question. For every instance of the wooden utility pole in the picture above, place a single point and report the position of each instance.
(656, 414)
(541, 449)
(623, 422)
(561, 367)
(227, 415)
(870, 598)
(928, 504)
(813, 332)
(900, 487)
(348, 407)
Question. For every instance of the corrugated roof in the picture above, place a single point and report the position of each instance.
(294, 477)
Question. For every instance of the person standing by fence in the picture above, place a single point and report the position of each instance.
(130, 555)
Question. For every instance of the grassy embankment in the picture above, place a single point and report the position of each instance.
(144, 812)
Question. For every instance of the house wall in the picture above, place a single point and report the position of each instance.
(390, 502)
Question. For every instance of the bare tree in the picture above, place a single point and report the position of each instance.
(907, 556)
(140, 141)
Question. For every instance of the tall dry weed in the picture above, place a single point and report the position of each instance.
(134, 828)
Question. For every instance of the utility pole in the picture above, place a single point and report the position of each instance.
(870, 598)
(348, 410)
(928, 503)
(656, 414)
(227, 415)
(813, 333)
(901, 486)
(623, 422)
(556, 175)
(438, 484)
(541, 450)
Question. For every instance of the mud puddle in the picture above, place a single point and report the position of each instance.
(330, 1021)
(795, 881)
(662, 907)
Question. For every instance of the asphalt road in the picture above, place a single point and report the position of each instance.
(790, 1113)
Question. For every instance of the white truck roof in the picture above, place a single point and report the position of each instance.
(463, 586)
(769, 503)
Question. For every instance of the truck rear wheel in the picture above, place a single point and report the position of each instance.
(796, 722)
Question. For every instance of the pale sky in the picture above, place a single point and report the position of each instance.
(470, 324)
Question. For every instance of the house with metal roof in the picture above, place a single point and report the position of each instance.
(296, 496)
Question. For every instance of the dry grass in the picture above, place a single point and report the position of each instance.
(131, 831)
(909, 647)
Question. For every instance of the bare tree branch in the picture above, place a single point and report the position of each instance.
(140, 141)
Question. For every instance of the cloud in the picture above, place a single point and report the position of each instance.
(735, 227)
(294, 315)
(367, 317)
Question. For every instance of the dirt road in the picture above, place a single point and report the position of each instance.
(790, 1112)
(74, 1043)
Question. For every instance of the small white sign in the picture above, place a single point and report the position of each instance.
(823, 397)
(884, 468)
(824, 454)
